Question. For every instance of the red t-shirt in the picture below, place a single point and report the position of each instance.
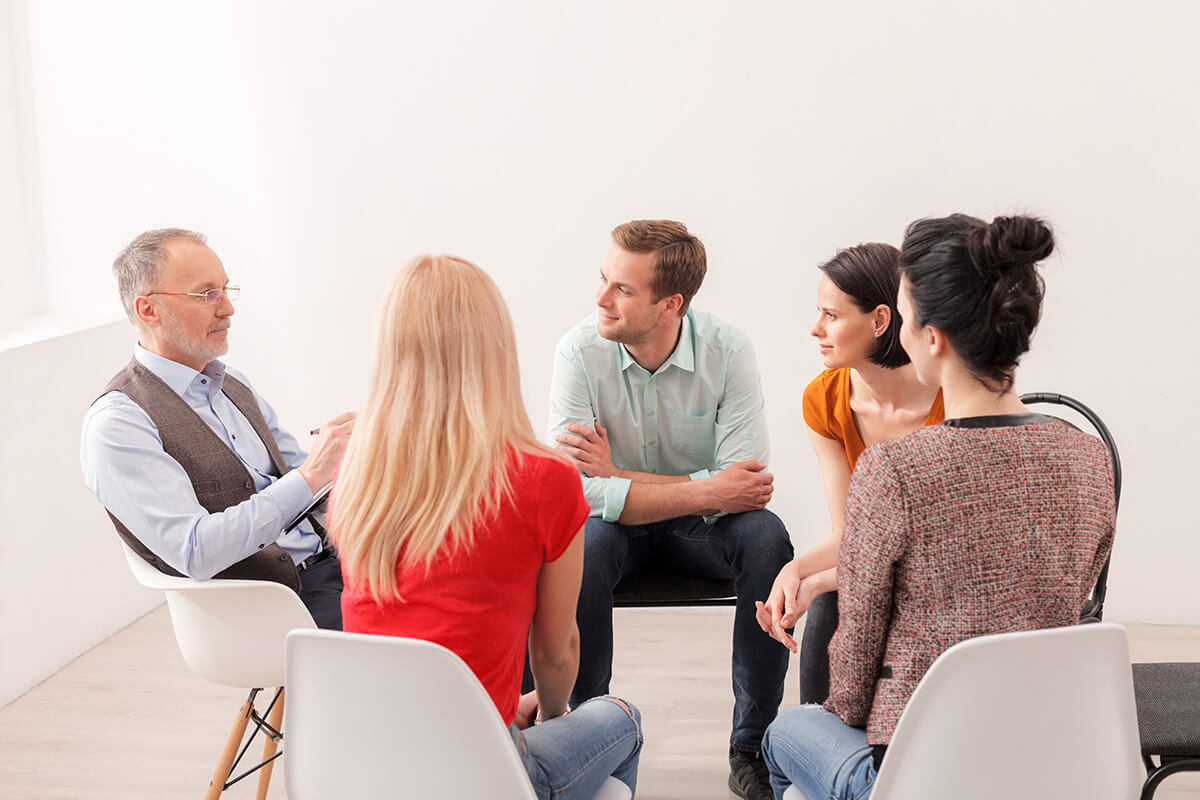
(480, 602)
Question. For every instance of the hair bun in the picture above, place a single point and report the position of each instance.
(1008, 243)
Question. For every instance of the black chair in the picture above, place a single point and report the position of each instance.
(657, 586)
(1093, 609)
(1167, 694)
(1168, 709)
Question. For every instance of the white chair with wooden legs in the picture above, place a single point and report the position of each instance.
(233, 632)
(385, 716)
(1036, 715)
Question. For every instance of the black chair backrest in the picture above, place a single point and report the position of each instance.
(1093, 609)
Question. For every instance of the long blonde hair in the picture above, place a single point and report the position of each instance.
(443, 413)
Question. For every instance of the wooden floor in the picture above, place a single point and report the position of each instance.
(128, 720)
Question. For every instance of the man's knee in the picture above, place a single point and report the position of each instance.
(760, 536)
(604, 542)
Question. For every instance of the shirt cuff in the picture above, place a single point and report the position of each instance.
(700, 475)
(614, 497)
(290, 494)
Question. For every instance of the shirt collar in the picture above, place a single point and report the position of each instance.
(683, 356)
(179, 377)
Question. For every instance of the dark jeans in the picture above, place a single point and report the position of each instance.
(321, 591)
(820, 621)
(750, 548)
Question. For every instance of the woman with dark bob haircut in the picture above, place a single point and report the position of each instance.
(867, 393)
(996, 520)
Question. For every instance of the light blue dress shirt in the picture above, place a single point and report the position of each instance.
(126, 468)
(699, 412)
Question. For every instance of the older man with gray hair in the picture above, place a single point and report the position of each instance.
(188, 460)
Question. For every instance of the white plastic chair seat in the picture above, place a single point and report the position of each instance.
(1035, 714)
(385, 716)
(230, 632)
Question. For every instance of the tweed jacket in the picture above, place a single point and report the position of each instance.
(972, 527)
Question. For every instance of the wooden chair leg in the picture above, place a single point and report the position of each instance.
(221, 774)
(270, 746)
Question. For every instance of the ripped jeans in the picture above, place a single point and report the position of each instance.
(569, 757)
(823, 756)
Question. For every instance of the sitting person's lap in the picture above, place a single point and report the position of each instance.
(688, 544)
(572, 755)
(823, 756)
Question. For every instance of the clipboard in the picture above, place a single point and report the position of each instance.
(317, 503)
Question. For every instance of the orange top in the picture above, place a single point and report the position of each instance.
(827, 411)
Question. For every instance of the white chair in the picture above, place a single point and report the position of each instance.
(1036, 714)
(233, 633)
(384, 716)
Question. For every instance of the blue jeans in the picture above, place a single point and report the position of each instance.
(823, 756)
(750, 548)
(569, 757)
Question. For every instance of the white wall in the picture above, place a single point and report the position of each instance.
(19, 258)
(66, 586)
(322, 146)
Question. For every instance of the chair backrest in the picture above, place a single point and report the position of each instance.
(1093, 609)
(1035, 714)
(384, 716)
(230, 632)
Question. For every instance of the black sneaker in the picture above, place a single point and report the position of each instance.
(748, 776)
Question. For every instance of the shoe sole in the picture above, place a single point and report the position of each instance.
(733, 787)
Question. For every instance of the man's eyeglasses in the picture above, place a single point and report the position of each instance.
(212, 296)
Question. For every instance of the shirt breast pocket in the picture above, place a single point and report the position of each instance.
(692, 438)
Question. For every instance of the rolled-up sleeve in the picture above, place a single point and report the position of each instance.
(615, 491)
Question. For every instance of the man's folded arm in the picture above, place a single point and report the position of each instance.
(631, 498)
(571, 404)
(126, 468)
(655, 502)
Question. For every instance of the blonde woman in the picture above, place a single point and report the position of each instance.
(456, 526)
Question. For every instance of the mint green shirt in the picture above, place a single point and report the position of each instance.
(699, 412)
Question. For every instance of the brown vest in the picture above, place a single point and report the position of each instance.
(218, 476)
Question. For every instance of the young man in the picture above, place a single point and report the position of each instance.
(661, 408)
(189, 461)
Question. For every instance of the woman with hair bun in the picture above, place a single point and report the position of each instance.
(867, 393)
(996, 520)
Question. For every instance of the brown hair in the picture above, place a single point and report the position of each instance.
(679, 258)
(870, 275)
